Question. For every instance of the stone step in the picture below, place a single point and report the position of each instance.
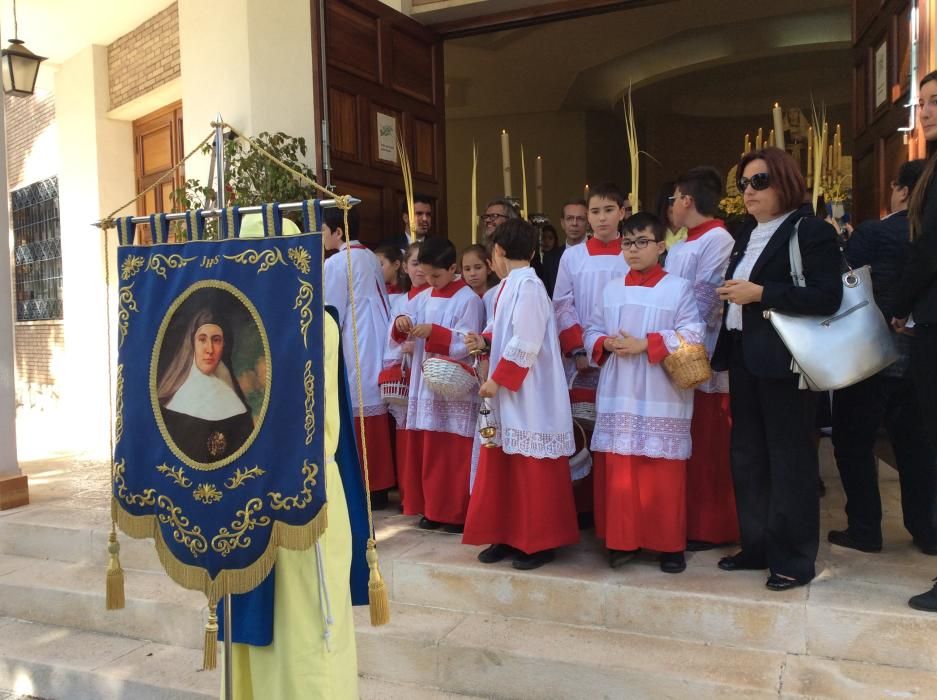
(57, 662)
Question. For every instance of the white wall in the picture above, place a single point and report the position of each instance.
(95, 175)
(250, 60)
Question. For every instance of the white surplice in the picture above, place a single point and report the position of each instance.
(408, 304)
(373, 316)
(702, 260)
(639, 411)
(534, 421)
(489, 301)
(459, 310)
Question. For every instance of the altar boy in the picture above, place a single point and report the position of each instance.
(522, 502)
(642, 429)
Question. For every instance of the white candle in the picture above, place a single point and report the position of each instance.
(538, 183)
(778, 126)
(506, 162)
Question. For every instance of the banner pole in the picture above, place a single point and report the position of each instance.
(220, 202)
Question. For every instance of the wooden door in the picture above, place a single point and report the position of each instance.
(881, 88)
(382, 68)
(157, 148)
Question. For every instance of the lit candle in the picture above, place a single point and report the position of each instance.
(838, 148)
(585, 193)
(778, 125)
(506, 162)
(525, 212)
(538, 183)
(771, 141)
(759, 140)
(809, 152)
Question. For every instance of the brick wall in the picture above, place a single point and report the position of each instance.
(38, 348)
(145, 58)
(27, 119)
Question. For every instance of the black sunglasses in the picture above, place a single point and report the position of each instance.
(758, 181)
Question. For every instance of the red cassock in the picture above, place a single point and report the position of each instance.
(521, 501)
(443, 462)
(640, 502)
(409, 478)
(711, 514)
(380, 453)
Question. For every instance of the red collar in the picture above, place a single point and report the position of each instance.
(648, 278)
(597, 247)
(705, 227)
(416, 290)
(450, 289)
(393, 289)
(354, 245)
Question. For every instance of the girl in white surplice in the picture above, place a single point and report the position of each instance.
(201, 403)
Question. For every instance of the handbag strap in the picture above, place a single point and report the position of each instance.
(797, 262)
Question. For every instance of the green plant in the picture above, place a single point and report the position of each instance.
(251, 178)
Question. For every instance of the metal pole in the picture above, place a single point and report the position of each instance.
(326, 158)
(228, 631)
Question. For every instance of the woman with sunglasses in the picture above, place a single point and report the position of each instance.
(774, 460)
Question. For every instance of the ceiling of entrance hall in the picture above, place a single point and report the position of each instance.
(695, 57)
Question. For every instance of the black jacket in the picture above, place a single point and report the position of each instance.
(764, 353)
(918, 291)
(883, 245)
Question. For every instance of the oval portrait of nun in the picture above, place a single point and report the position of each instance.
(212, 368)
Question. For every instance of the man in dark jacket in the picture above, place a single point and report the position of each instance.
(889, 397)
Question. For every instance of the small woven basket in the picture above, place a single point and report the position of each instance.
(449, 378)
(688, 365)
(395, 385)
(582, 389)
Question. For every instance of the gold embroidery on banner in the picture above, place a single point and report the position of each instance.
(190, 537)
(119, 406)
(177, 475)
(267, 258)
(144, 498)
(309, 385)
(241, 476)
(304, 497)
(301, 259)
(210, 262)
(159, 263)
(217, 443)
(126, 304)
(206, 493)
(303, 301)
(226, 541)
(132, 265)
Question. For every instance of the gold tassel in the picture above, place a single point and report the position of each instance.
(114, 600)
(210, 657)
(377, 590)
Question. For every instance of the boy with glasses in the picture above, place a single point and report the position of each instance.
(642, 427)
(701, 259)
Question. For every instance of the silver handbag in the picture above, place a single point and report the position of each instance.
(840, 350)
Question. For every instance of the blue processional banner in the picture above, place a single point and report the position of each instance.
(220, 428)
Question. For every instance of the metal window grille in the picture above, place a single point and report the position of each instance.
(37, 251)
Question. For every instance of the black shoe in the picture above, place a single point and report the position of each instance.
(585, 520)
(929, 548)
(672, 562)
(379, 500)
(453, 529)
(740, 562)
(495, 553)
(780, 583)
(925, 601)
(526, 562)
(699, 545)
(842, 538)
(620, 557)
(427, 524)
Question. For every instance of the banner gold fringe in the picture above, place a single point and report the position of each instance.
(234, 581)
(114, 598)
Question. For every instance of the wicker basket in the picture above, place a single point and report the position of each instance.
(580, 464)
(688, 365)
(448, 378)
(395, 384)
(582, 389)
